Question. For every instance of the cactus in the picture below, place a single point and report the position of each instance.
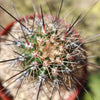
(48, 52)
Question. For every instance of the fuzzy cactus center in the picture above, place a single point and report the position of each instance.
(50, 50)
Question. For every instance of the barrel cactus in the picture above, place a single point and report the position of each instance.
(48, 53)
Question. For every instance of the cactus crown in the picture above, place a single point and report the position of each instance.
(50, 51)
